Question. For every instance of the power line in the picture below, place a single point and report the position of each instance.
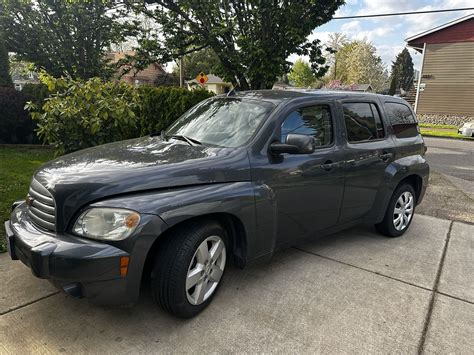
(403, 13)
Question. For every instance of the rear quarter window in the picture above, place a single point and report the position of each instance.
(402, 119)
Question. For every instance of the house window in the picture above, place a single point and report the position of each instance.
(363, 122)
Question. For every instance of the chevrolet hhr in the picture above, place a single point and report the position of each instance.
(233, 180)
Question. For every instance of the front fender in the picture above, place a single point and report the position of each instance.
(176, 205)
(394, 173)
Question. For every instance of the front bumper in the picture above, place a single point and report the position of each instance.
(78, 266)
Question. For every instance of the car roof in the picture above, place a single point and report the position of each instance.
(278, 96)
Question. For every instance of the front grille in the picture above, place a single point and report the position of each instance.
(42, 208)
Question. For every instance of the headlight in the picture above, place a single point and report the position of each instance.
(106, 223)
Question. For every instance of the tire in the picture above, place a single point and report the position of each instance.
(181, 261)
(394, 224)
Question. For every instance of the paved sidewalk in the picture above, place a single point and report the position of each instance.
(352, 292)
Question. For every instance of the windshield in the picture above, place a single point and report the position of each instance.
(224, 122)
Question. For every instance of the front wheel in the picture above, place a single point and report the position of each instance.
(399, 212)
(189, 267)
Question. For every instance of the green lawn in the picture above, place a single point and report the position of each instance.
(432, 125)
(16, 168)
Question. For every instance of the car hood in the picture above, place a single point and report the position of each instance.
(146, 163)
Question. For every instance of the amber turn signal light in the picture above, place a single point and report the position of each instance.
(124, 260)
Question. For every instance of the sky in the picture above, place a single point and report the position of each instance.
(388, 34)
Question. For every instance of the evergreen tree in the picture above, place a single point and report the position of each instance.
(402, 72)
(5, 78)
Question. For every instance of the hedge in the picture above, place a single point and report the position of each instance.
(15, 124)
(161, 106)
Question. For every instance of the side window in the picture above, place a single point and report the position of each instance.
(363, 122)
(403, 122)
(312, 120)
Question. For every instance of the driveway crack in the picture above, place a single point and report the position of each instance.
(28, 303)
(421, 344)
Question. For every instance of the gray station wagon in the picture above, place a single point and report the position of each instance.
(235, 179)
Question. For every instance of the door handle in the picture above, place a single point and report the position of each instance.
(328, 165)
(385, 156)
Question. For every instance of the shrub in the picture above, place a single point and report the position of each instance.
(38, 92)
(82, 114)
(161, 106)
(15, 124)
(338, 85)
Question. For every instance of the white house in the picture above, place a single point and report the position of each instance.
(214, 84)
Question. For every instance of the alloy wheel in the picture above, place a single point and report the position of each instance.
(205, 270)
(403, 211)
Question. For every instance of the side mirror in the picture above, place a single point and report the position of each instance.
(295, 144)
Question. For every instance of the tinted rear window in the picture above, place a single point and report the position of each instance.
(402, 119)
(362, 122)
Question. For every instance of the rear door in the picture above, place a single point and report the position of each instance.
(368, 149)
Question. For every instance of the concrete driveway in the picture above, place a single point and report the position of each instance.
(349, 293)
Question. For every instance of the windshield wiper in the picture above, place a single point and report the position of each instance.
(187, 139)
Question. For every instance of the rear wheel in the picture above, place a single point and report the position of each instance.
(189, 267)
(400, 211)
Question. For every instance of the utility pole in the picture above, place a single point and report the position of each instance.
(181, 67)
(181, 72)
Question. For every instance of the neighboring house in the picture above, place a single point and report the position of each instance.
(148, 76)
(20, 80)
(362, 88)
(446, 83)
(214, 84)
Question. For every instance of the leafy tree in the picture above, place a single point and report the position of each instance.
(251, 38)
(204, 60)
(63, 37)
(301, 74)
(5, 78)
(358, 62)
(402, 72)
(333, 45)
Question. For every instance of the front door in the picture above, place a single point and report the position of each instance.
(307, 188)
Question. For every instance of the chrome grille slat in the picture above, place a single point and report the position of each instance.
(42, 223)
(45, 216)
(42, 208)
(45, 199)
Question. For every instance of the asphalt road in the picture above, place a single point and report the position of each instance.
(450, 193)
(451, 157)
